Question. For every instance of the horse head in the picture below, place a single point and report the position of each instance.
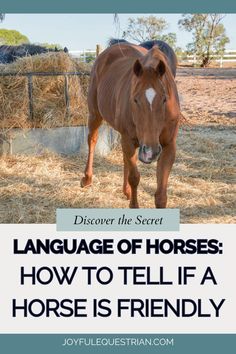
(149, 95)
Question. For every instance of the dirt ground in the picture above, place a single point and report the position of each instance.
(202, 182)
(208, 96)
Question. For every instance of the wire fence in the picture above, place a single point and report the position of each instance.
(229, 56)
(30, 76)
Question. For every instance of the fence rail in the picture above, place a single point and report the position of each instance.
(86, 54)
(41, 73)
(30, 75)
(83, 55)
(227, 57)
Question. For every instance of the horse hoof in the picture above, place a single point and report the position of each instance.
(134, 206)
(85, 182)
(127, 192)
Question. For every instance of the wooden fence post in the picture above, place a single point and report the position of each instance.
(30, 96)
(67, 97)
(98, 49)
(221, 61)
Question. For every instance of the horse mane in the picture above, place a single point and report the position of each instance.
(149, 58)
(153, 48)
(156, 54)
(163, 46)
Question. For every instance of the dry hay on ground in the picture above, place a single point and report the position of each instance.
(202, 182)
(49, 106)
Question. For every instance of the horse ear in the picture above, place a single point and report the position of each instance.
(161, 68)
(138, 69)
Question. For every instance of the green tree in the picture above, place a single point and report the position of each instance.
(169, 38)
(12, 37)
(51, 45)
(209, 35)
(142, 29)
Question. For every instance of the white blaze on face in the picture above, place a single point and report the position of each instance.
(150, 93)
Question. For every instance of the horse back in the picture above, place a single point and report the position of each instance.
(113, 54)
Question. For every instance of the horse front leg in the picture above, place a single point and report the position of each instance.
(94, 124)
(164, 166)
(131, 174)
(126, 185)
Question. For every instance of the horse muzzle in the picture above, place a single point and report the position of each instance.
(147, 154)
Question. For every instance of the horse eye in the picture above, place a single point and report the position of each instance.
(164, 100)
(136, 100)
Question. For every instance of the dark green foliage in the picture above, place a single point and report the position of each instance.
(12, 37)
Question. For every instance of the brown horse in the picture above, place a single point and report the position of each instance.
(133, 89)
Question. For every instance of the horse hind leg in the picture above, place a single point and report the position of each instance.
(93, 125)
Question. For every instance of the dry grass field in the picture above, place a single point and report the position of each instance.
(202, 182)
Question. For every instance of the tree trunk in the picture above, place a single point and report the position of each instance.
(205, 61)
